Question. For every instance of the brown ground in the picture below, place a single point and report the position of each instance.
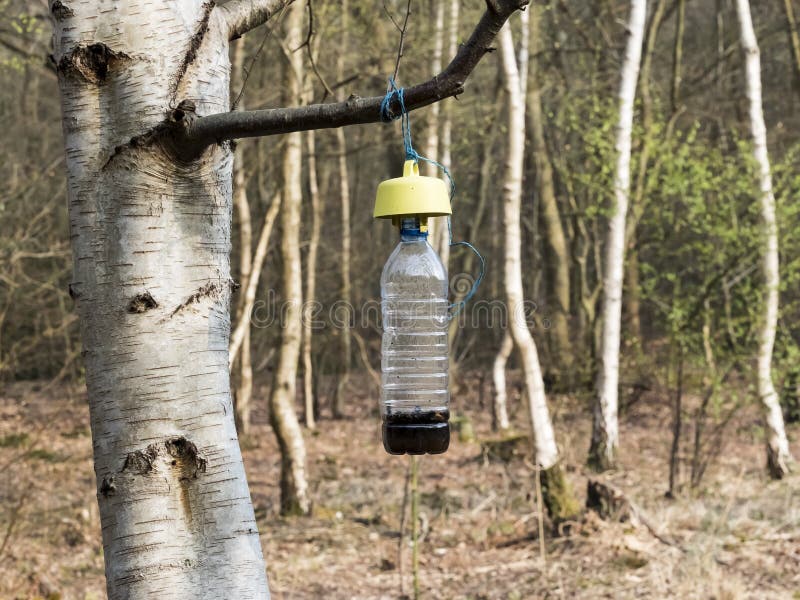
(736, 537)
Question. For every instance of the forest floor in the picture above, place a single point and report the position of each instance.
(736, 536)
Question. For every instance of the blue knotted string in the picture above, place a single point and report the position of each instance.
(387, 116)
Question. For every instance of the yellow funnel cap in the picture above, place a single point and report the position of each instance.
(412, 194)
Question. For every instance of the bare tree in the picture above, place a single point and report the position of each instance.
(244, 389)
(283, 418)
(344, 200)
(311, 278)
(554, 230)
(794, 38)
(147, 125)
(441, 243)
(558, 497)
(605, 429)
(778, 454)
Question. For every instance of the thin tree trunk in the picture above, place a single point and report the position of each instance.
(677, 56)
(558, 496)
(344, 198)
(442, 241)
(633, 297)
(294, 487)
(249, 296)
(605, 428)
(311, 279)
(794, 39)
(499, 377)
(244, 389)
(556, 240)
(435, 225)
(778, 454)
(152, 284)
(677, 421)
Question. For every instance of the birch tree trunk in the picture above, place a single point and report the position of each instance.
(558, 497)
(344, 198)
(556, 240)
(499, 378)
(294, 487)
(151, 241)
(311, 280)
(441, 242)
(778, 454)
(605, 428)
(244, 389)
(436, 224)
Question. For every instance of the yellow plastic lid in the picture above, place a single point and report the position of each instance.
(412, 194)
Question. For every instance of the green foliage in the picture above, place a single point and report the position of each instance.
(699, 244)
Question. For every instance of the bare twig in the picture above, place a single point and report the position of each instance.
(310, 50)
(249, 69)
(193, 134)
(402, 29)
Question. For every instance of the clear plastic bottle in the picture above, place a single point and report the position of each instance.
(414, 394)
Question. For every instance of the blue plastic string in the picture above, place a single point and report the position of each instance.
(387, 116)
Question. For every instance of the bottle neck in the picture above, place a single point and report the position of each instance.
(412, 230)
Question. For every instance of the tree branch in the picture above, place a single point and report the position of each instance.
(197, 133)
(243, 15)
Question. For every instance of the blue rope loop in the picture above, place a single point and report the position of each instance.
(387, 116)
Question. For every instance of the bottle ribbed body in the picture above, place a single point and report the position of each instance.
(414, 361)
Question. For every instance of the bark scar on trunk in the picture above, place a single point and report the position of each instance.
(93, 62)
(60, 10)
(194, 45)
(141, 303)
(107, 487)
(185, 458)
(210, 290)
(140, 462)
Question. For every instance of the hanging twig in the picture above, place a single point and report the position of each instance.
(248, 70)
(402, 29)
(310, 50)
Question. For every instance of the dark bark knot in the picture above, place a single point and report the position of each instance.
(141, 461)
(185, 458)
(142, 303)
(107, 487)
(60, 10)
(93, 63)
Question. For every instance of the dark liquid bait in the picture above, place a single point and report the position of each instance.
(417, 432)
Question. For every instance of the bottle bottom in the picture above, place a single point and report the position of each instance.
(416, 433)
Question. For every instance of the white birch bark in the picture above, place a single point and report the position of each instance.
(344, 199)
(499, 378)
(294, 486)
(311, 279)
(441, 242)
(778, 453)
(605, 429)
(244, 389)
(542, 427)
(249, 296)
(432, 138)
(151, 241)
